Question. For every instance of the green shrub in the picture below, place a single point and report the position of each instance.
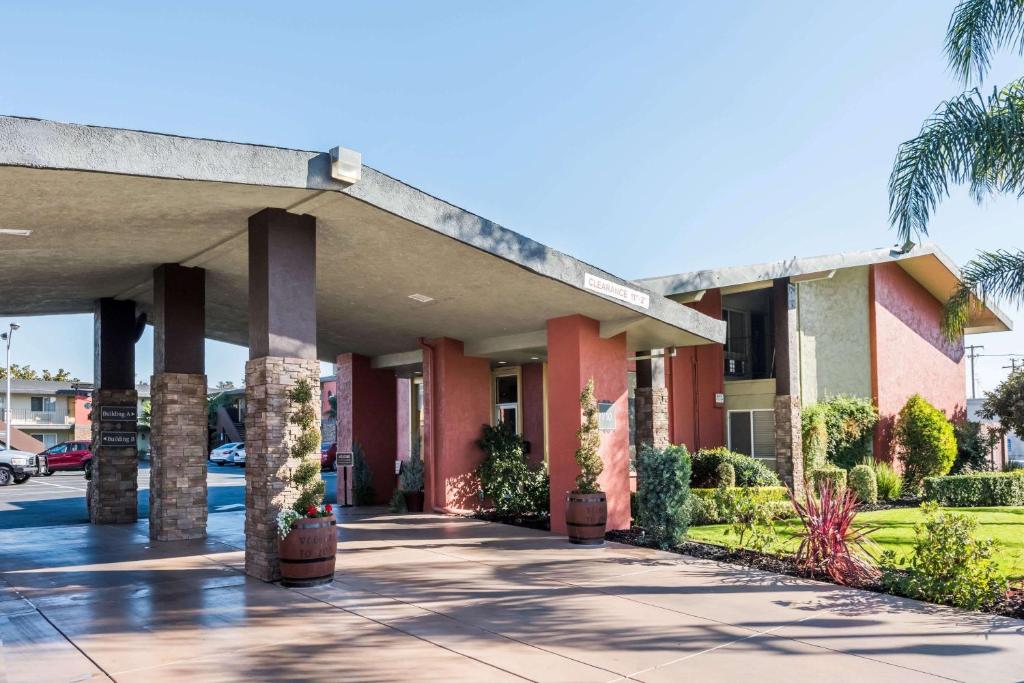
(362, 478)
(862, 480)
(306, 448)
(750, 519)
(725, 474)
(836, 476)
(704, 504)
(984, 489)
(749, 471)
(889, 481)
(814, 436)
(925, 441)
(849, 424)
(411, 478)
(397, 502)
(512, 486)
(949, 564)
(663, 493)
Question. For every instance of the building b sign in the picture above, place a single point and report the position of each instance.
(616, 291)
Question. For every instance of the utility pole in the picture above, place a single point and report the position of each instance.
(1012, 367)
(972, 353)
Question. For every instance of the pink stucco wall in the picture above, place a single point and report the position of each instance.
(457, 390)
(403, 413)
(533, 410)
(693, 376)
(909, 353)
(576, 352)
(366, 414)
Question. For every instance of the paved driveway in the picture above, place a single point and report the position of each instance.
(434, 598)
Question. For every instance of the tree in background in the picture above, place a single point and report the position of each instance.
(971, 139)
(1006, 403)
(27, 372)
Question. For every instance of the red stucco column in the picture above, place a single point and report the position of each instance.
(576, 353)
(457, 403)
(367, 415)
(694, 375)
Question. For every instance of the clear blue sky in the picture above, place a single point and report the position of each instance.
(647, 138)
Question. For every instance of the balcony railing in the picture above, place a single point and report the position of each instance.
(25, 416)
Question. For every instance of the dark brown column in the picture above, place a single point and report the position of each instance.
(113, 485)
(282, 285)
(788, 447)
(282, 350)
(177, 486)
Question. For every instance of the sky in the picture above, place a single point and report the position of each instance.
(644, 138)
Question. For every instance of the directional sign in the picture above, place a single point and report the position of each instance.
(117, 439)
(119, 413)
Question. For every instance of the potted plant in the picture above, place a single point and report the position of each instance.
(410, 481)
(308, 540)
(586, 509)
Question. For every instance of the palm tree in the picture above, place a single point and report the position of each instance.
(970, 139)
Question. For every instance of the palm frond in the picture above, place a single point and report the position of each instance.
(977, 29)
(996, 274)
(968, 139)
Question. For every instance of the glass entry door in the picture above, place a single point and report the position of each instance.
(507, 398)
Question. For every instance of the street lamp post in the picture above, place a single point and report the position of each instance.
(6, 336)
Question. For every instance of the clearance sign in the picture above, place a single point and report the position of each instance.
(616, 291)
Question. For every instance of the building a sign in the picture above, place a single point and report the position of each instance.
(119, 413)
(616, 291)
(117, 439)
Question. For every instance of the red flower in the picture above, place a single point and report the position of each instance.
(311, 511)
(328, 508)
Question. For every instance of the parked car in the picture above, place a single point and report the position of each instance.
(225, 454)
(238, 456)
(68, 456)
(329, 457)
(18, 466)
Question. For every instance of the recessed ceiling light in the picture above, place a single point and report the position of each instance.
(534, 357)
(502, 362)
(15, 232)
(422, 298)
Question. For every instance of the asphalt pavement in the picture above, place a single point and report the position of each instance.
(60, 498)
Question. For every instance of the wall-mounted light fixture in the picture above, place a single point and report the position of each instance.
(346, 165)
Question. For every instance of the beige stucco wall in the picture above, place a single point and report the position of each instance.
(750, 394)
(835, 350)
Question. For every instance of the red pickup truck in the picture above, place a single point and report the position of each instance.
(70, 455)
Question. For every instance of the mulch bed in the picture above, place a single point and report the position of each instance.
(1011, 606)
(538, 522)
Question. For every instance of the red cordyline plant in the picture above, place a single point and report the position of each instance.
(831, 545)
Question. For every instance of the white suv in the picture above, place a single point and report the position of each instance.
(18, 466)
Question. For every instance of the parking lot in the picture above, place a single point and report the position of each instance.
(60, 499)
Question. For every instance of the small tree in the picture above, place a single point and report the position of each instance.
(411, 478)
(306, 449)
(1006, 403)
(925, 441)
(974, 444)
(589, 436)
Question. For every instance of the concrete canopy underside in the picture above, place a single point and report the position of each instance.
(106, 206)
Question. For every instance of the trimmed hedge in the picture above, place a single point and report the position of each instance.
(749, 471)
(705, 508)
(726, 474)
(984, 489)
(862, 480)
(835, 475)
(663, 493)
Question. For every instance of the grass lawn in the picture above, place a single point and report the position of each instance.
(896, 532)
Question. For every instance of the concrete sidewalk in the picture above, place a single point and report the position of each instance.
(423, 597)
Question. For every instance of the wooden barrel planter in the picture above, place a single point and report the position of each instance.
(586, 515)
(307, 553)
(413, 501)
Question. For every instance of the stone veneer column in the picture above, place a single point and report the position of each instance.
(282, 351)
(269, 464)
(180, 435)
(178, 441)
(789, 458)
(112, 493)
(651, 403)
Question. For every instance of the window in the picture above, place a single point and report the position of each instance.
(737, 343)
(505, 390)
(48, 440)
(752, 432)
(43, 404)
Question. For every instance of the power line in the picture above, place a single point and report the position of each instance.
(972, 354)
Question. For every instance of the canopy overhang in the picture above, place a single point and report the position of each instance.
(105, 206)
